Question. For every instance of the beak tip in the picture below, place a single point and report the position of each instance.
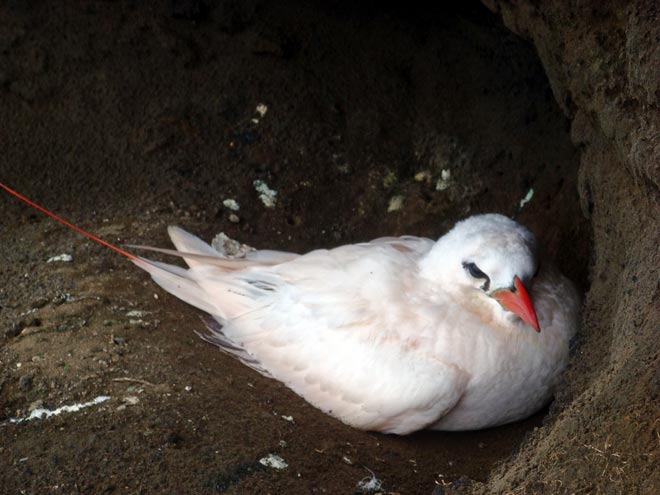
(518, 301)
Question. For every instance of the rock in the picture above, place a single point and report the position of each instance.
(396, 203)
(230, 247)
(15, 329)
(273, 461)
(602, 61)
(267, 195)
(232, 204)
(25, 382)
(66, 258)
(37, 404)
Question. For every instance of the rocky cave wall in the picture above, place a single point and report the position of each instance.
(603, 62)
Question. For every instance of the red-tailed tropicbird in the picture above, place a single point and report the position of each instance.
(393, 335)
(396, 334)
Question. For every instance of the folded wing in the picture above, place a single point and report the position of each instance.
(332, 325)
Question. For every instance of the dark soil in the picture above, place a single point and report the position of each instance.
(126, 118)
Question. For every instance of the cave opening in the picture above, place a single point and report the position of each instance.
(466, 109)
(375, 119)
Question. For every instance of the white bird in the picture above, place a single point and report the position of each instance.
(396, 334)
(393, 335)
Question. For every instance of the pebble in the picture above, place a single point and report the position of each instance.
(67, 258)
(25, 382)
(273, 461)
(423, 176)
(37, 404)
(232, 204)
(396, 203)
(444, 181)
(15, 329)
(261, 109)
(136, 313)
(229, 247)
(267, 195)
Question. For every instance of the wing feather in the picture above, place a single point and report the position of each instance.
(317, 323)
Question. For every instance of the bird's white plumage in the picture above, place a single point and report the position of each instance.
(391, 335)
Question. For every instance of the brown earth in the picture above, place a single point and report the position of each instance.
(127, 118)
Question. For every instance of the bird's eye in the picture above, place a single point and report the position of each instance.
(474, 270)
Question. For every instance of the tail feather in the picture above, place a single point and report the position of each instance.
(185, 242)
(195, 259)
(177, 281)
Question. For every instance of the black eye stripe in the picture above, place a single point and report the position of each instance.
(474, 270)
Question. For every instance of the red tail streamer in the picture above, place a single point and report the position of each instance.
(70, 225)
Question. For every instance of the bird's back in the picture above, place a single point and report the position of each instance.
(357, 332)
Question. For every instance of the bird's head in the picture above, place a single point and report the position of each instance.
(490, 257)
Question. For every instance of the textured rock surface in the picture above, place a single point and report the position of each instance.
(603, 62)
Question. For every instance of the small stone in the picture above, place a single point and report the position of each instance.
(230, 247)
(261, 109)
(444, 181)
(130, 400)
(234, 218)
(136, 313)
(267, 195)
(37, 404)
(395, 204)
(15, 329)
(528, 197)
(389, 180)
(40, 303)
(118, 340)
(66, 258)
(274, 461)
(423, 176)
(232, 204)
(25, 382)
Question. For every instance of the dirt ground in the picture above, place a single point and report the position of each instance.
(124, 118)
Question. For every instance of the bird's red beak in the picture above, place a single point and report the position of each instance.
(517, 300)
